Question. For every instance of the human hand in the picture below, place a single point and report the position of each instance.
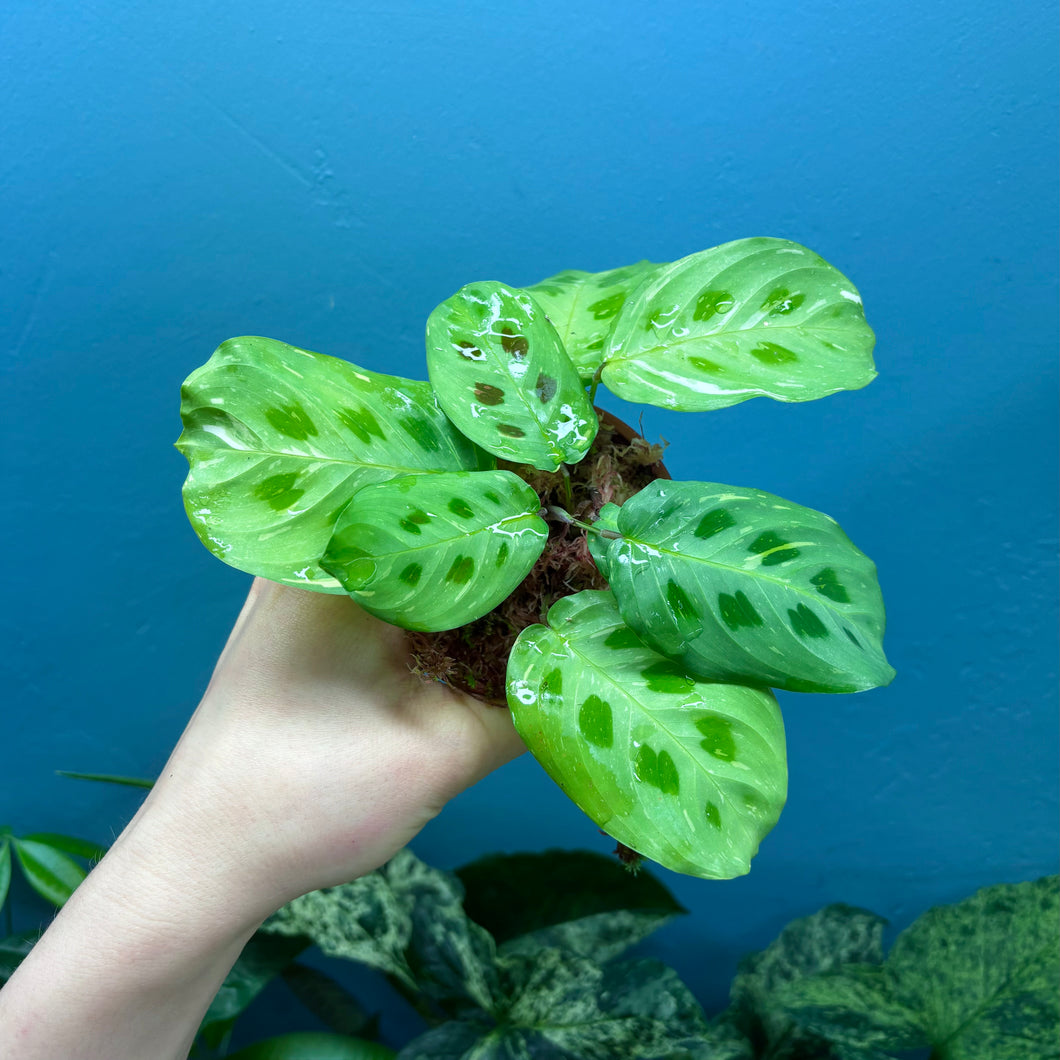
(316, 753)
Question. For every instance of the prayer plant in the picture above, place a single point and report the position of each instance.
(640, 675)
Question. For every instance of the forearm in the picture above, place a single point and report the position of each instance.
(130, 965)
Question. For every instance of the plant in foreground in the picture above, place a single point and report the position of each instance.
(523, 955)
(633, 625)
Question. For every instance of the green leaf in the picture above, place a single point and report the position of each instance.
(82, 848)
(405, 919)
(263, 958)
(279, 439)
(740, 585)
(328, 1001)
(685, 772)
(363, 921)
(5, 870)
(834, 938)
(561, 1005)
(13, 951)
(109, 778)
(433, 552)
(314, 1045)
(756, 317)
(571, 899)
(52, 874)
(981, 976)
(503, 377)
(853, 1009)
(583, 306)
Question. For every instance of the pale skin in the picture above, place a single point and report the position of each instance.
(313, 757)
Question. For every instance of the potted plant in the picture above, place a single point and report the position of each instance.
(634, 625)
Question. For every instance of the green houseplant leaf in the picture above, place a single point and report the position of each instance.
(755, 317)
(690, 774)
(981, 976)
(51, 873)
(834, 938)
(571, 899)
(263, 958)
(406, 919)
(278, 440)
(582, 307)
(562, 1005)
(314, 1045)
(5, 869)
(433, 552)
(502, 376)
(741, 585)
(68, 844)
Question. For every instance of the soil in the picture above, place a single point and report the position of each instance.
(474, 657)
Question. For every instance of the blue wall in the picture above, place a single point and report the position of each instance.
(174, 175)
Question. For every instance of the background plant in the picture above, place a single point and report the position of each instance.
(649, 702)
(526, 955)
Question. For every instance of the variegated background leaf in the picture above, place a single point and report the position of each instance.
(741, 585)
(502, 376)
(278, 440)
(755, 317)
(582, 307)
(433, 552)
(688, 773)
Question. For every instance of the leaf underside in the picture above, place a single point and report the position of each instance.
(502, 376)
(278, 439)
(688, 773)
(741, 585)
(752, 318)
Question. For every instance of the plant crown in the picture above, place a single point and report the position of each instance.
(649, 703)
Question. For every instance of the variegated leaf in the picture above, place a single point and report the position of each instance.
(755, 317)
(582, 307)
(741, 585)
(502, 376)
(433, 552)
(279, 439)
(690, 774)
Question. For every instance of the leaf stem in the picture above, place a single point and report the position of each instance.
(595, 383)
(561, 516)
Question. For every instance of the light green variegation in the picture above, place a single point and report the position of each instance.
(433, 552)
(756, 317)
(741, 585)
(278, 440)
(688, 773)
(583, 306)
(502, 376)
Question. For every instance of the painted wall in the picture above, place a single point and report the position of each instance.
(325, 173)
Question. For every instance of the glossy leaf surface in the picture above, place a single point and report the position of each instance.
(690, 774)
(751, 318)
(5, 869)
(68, 844)
(502, 376)
(433, 552)
(278, 440)
(52, 874)
(314, 1045)
(582, 307)
(741, 585)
